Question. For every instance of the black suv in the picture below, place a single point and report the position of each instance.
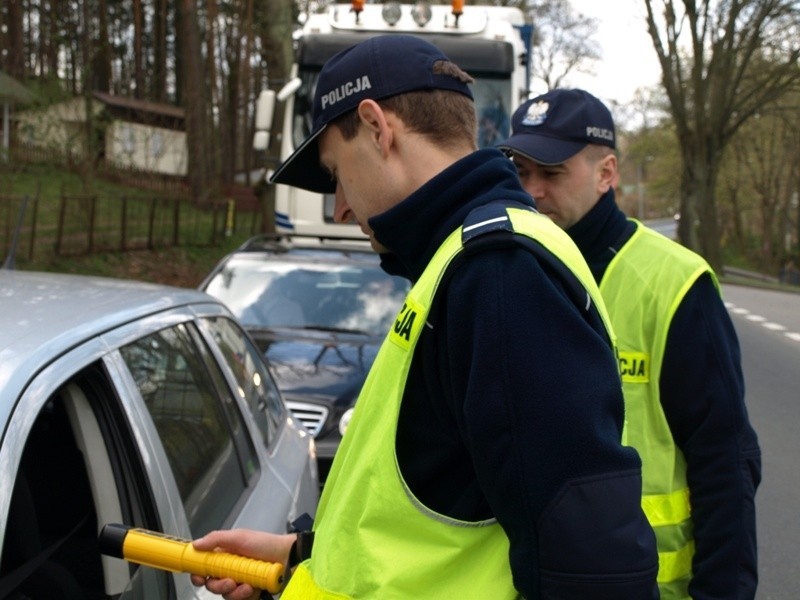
(319, 308)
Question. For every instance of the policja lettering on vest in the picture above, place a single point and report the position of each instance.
(404, 322)
(634, 366)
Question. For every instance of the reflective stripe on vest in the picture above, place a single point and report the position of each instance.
(373, 538)
(661, 272)
(673, 567)
(667, 509)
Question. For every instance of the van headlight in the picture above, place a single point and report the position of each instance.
(391, 12)
(421, 13)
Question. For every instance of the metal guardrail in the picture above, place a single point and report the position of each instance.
(746, 274)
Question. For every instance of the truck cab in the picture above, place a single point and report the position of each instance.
(491, 43)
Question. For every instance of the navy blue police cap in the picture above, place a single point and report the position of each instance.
(378, 68)
(555, 126)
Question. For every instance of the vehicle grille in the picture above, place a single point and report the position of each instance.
(312, 416)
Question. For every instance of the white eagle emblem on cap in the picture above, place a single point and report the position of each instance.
(536, 113)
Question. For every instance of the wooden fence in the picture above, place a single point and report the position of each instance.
(74, 225)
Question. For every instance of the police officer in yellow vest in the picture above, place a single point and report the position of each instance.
(484, 458)
(678, 351)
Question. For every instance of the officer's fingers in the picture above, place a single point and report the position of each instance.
(227, 539)
(246, 542)
(236, 595)
(243, 592)
(230, 590)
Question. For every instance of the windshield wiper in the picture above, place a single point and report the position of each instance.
(337, 329)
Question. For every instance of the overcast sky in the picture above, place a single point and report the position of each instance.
(628, 59)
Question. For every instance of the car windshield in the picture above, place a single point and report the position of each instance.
(310, 295)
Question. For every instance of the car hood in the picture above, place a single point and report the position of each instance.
(329, 366)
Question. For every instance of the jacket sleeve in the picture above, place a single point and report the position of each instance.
(702, 393)
(538, 401)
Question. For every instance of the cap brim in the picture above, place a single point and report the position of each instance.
(302, 168)
(542, 149)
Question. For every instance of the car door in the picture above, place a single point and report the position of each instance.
(140, 427)
(74, 460)
(288, 446)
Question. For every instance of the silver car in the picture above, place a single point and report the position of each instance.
(125, 402)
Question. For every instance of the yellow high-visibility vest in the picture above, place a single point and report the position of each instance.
(642, 287)
(373, 538)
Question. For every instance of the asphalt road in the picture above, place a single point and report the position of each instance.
(768, 325)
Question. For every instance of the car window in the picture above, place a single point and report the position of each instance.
(358, 297)
(255, 383)
(200, 428)
(80, 468)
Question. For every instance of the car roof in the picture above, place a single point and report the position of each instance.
(42, 315)
(297, 248)
(285, 242)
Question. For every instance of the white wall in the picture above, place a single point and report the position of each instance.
(147, 148)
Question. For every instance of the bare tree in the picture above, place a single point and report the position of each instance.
(720, 61)
(562, 41)
(764, 164)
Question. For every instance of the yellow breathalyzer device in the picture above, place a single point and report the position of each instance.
(169, 553)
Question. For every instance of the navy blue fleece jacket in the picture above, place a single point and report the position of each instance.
(513, 405)
(702, 394)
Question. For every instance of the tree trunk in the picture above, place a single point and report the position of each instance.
(50, 29)
(736, 217)
(15, 60)
(244, 141)
(709, 232)
(86, 161)
(102, 54)
(698, 228)
(138, 67)
(41, 47)
(690, 219)
(276, 40)
(73, 51)
(215, 126)
(194, 102)
(178, 54)
(53, 46)
(218, 100)
(159, 78)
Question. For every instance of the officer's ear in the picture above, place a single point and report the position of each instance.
(375, 120)
(608, 174)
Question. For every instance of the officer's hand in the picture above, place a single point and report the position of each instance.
(244, 542)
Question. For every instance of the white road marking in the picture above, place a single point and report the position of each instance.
(759, 319)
